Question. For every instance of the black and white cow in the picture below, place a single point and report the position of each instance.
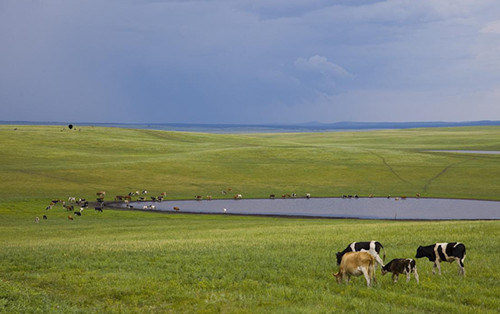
(373, 247)
(444, 252)
(401, 266)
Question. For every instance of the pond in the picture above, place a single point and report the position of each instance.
(485, 152)
(364, 208)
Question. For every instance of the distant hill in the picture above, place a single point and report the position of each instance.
(397, 125)
(257, 128)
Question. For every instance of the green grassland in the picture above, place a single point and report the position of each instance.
(128, 262)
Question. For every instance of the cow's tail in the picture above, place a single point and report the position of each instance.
(383, 258)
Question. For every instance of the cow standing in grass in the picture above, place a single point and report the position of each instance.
(373, 247)
(356, 264)
(401, 266)
(444, 252)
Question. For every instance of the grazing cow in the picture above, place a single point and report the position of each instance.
(72, 199)
(48, 207)
(224, 210)
(444, 252)
(45, 217)
(238, 196)
(356, 264)
(101, 194)
(123, 197)
(176, 208)
(98, 209)
(373, 247)
(198, 197)
(144, 192)
(69, 208)
(308, 195)
(272, 196)
(37, 220)
(77, 213)
(401, 266)
(163, 194)
(417, 195)
(69, 217)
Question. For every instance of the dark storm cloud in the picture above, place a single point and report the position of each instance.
(249, 61)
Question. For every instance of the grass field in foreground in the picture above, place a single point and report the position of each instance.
(126, 262)
(149, 262)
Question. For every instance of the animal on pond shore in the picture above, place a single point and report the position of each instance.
(356, 264)
(401, 266)
(444, 252)
(238, 196)
(123, 197)
(373, 247)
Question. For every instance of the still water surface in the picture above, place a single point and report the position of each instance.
(365, 208)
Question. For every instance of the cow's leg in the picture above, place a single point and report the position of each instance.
(408, 273)
(461, 268)
(367, 276)
(395, 277)
(438, 266)
(415, 273)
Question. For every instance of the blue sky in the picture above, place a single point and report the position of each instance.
(242, 61)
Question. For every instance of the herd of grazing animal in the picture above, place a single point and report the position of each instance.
(72, 202)
(360, 258)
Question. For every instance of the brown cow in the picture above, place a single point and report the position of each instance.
(401, 266)
(356, 264)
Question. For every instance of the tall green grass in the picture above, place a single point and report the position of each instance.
(129, 262)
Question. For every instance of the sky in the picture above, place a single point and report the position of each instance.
(249, 61)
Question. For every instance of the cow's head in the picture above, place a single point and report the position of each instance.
(420, 252)
(384, 270)
(339, 257)
(337, 276)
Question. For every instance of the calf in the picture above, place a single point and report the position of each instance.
(355, 264)
(373, 247)
(444, 252)
(401, 266)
